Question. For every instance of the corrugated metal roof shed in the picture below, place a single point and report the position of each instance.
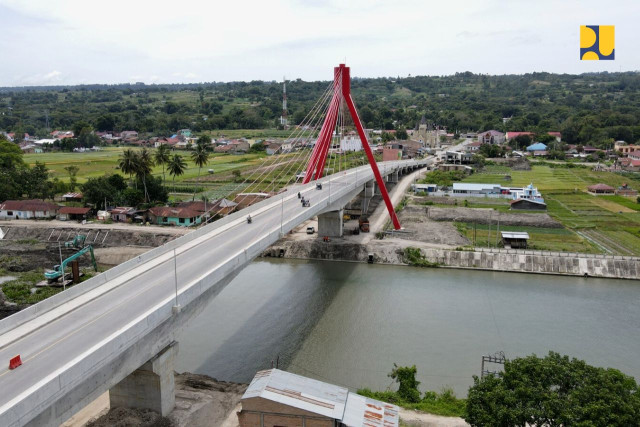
(362, 411)
(299, 392)
(474, 187)
(514, 235)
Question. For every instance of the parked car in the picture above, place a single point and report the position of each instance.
(311, 230)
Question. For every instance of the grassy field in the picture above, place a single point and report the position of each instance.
(257, 172)
(546, 239)
(607, 224)
(95, 164)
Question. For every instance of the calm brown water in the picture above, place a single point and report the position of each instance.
(348, 323)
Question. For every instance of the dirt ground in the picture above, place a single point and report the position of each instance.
(200, 401)
(484, 216)
(422, 229)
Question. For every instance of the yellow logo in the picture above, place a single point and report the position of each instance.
(597, 42)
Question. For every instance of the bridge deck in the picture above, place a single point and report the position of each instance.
(50, 349)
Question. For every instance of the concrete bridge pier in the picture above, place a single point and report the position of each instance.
(394, 176)
(330, 224)
(367, 196)
(151, 386)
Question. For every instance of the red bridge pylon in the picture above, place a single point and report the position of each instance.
(315, 168)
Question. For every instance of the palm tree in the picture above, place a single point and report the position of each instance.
(161, 157)
(200, 157)
(176, 166)
(128, 163)
(145, 163)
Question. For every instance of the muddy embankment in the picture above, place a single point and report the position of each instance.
(200, 401)
(111, 247)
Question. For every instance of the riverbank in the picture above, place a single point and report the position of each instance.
(202, 401)
(433, 231)
(392, 250)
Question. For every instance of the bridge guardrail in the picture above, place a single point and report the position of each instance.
(61, 298)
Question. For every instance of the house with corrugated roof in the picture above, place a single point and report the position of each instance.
(27, 209)
(279, 398)
(181, 216)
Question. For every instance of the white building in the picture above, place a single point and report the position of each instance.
(350, 142)
(27, 209)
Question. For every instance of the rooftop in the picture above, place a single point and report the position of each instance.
(299, 392)
(515, 235)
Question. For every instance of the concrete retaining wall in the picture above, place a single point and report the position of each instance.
(622, 267)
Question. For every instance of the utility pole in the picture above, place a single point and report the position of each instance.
(281, 215)
(489, 232)
(498, 230)
(176, 306)
(64, 286)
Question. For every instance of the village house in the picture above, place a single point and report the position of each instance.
(239, 146)
(128, 135)
(625, 190)
(628, 164)
(122, 213)
(217, 207)
(473, 147)
(537, 149)
(61, 134)
(493, 137)
(279, 398)
(634, 155)
(273, 148)
(391, 153)
(181, 216)
(69, 213)
(625, 148)
(27, 209)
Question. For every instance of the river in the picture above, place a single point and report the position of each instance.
(348, 323)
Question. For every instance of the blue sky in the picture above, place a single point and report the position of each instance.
(116, 41)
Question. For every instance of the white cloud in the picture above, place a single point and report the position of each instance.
(223, 41)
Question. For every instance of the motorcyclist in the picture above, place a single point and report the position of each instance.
(249, 219)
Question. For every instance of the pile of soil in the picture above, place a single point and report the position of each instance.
(125, 417)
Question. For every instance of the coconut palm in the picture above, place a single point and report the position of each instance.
(145, 163)
(161, 157)
(128, 163)
(176, 167)
(200, 157)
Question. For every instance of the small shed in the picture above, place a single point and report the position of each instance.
(68, 213)
(514, 239)
(72, 197)
(122, 213)
(528, 205)
(601, 189)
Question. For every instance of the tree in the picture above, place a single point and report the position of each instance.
(402, 134)
(406, 377)
(161, 157)
(97, 190)
(128, 162)
(176, 167)
(145, 163)
(72, 170)
(10, 155)
(553, 391)
(200, 157)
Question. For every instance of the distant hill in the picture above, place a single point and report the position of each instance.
(593, 108)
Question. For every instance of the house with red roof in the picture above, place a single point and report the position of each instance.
(167, 215)
(67, 213)
(27, 209)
